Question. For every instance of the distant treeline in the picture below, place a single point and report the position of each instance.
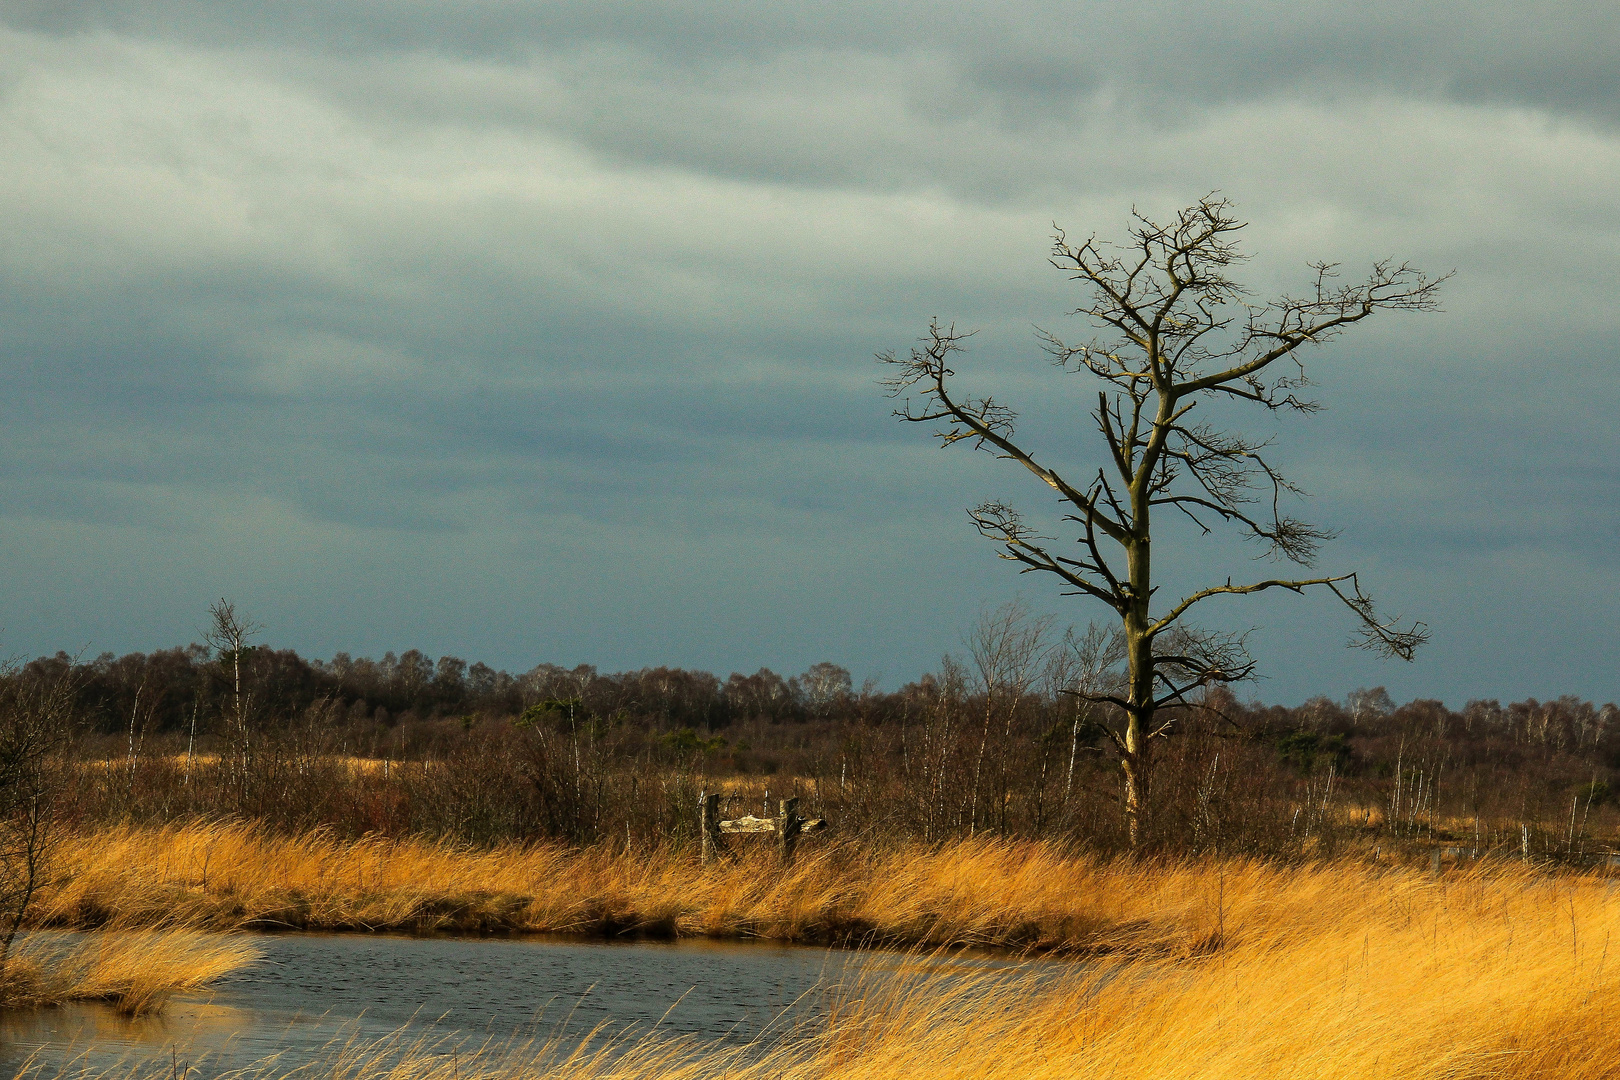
(170, 689)
(576, 754)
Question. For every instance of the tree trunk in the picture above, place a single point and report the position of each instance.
(1139, 716)
(978, 768)
(1135, 794)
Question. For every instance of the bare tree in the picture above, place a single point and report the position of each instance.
(930, 745)
(824, 686)
(228, 637)
(1082, 668)
(1009, 647)
(1177, 332)
(35, 716)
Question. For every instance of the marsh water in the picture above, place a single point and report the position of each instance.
(311, 993)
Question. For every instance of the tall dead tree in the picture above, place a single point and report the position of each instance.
(1176, 332)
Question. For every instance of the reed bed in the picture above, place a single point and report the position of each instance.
(134, 971)
(1207, 970)
(1475, 978)
(986, 893)
(1479, 977)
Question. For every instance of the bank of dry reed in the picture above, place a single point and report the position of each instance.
(1476, 977)
(134, 971)
(1004, 894)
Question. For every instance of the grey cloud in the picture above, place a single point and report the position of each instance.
(380, 300)
(1557, 56)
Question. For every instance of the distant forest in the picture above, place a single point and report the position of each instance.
(583, 756)
(168, 688)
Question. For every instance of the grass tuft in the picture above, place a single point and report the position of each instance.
(134, 971)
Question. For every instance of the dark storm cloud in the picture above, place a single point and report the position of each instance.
(893, 94)
(1549, 55)
(408, 321)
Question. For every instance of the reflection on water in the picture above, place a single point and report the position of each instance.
(312, 990)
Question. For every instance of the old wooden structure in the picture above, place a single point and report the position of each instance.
(787, 825)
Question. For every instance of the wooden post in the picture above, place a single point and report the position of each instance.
(787, 829)
(709, 813)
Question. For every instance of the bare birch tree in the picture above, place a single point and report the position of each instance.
(1176, 332)
(35, 717)
(1009, 647)
(228, 638)
(1082, 668)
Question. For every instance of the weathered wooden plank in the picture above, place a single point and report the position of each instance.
(749, 824)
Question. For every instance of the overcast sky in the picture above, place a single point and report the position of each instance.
(543, 331)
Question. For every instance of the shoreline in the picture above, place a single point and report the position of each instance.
(1247, 970)
(1019, 898)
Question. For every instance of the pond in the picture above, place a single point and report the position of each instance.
(311, 991)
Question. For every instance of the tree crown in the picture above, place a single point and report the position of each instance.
(1174, 330)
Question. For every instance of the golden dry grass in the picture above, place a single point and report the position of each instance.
(356, 765)
(135, 971)
(1208, 970)
(1475, 978)
(976, 893)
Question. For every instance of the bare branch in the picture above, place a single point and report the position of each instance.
(928, 368)
(1171, 328)
(1381, 635)
(1004, 524)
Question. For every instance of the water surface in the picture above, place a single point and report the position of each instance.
(312, 990)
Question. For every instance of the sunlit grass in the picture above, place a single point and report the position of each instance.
(134, 971)
(991, 893)
(1478, 976)
(1198, 969)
